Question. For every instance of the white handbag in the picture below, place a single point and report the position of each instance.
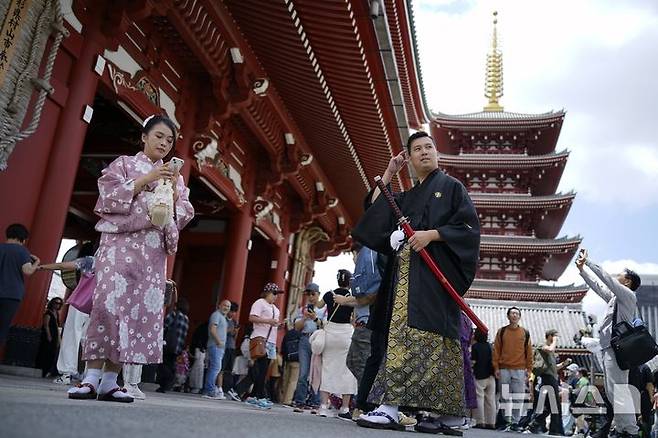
(317, 340)
(318, 337)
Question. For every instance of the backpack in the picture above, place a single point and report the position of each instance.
(539, 363)
(291, 349)
(366, 278)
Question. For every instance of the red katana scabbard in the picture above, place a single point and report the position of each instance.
(408, 231)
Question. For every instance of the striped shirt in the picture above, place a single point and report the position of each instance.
(180, 322)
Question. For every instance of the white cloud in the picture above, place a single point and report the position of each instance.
(326, 272)
(616, 266)
(590, 57)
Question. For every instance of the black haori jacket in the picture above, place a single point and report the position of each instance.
(440, 203)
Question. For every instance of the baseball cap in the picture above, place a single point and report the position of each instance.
(273, 288)
(573, 367)
(312, 287)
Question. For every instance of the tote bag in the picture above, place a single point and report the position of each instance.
(82, 295)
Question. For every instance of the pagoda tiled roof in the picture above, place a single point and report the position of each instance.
(525, 291)
(507, 161)
(498, 118)
(528, 244)
(566, 318)
(487, 200)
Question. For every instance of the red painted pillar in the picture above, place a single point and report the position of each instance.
(237, 253)
(278, 273)
(278, 276)
(49, 220)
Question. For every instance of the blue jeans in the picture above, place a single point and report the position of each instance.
(303, 387)
(215, 356)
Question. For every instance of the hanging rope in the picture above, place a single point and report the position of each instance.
(8, 140)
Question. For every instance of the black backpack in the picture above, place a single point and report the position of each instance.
(291, 349)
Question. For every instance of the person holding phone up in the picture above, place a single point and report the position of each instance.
(313, 315)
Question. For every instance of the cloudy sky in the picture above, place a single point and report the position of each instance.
(598, 60)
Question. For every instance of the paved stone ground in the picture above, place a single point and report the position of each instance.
(35, 408)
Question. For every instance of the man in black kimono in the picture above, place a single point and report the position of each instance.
(415, 321)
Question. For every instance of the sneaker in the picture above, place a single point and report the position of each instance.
(259, 403)
(345, 416)
(325, 412)
(64, 379)
(214, 396)
(536, 429)
(134, 390)
(233, 395)
(406, 421)
(513, 427)
(356, 413)
(265, 402)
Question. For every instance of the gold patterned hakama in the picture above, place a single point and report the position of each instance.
(420, 370)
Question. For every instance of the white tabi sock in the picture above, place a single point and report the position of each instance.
(92, 376)
(391, 411)
(108, 382)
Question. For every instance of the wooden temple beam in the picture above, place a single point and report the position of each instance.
(222, 18)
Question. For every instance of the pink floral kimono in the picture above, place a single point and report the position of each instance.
(126, 319)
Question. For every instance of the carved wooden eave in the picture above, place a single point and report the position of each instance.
(138, 92)
(263, 212)
(209, 29)
(222, 183)
(207, 153)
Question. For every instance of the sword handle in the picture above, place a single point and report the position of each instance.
(389, 198)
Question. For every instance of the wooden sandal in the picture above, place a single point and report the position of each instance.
(391, 425)
(109, 396)
(84, 395)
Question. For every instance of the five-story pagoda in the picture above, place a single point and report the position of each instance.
(509, 165)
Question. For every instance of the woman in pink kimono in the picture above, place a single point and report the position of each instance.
(126, 320)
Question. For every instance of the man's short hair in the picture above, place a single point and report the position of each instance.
(634, 278)
(234, 306)
(513, 308)
(17, 232)
(480, 336)
(416, 136)
(551, 332)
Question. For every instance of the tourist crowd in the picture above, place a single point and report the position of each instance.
(370, 351)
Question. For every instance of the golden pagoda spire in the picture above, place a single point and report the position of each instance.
(493, 85)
